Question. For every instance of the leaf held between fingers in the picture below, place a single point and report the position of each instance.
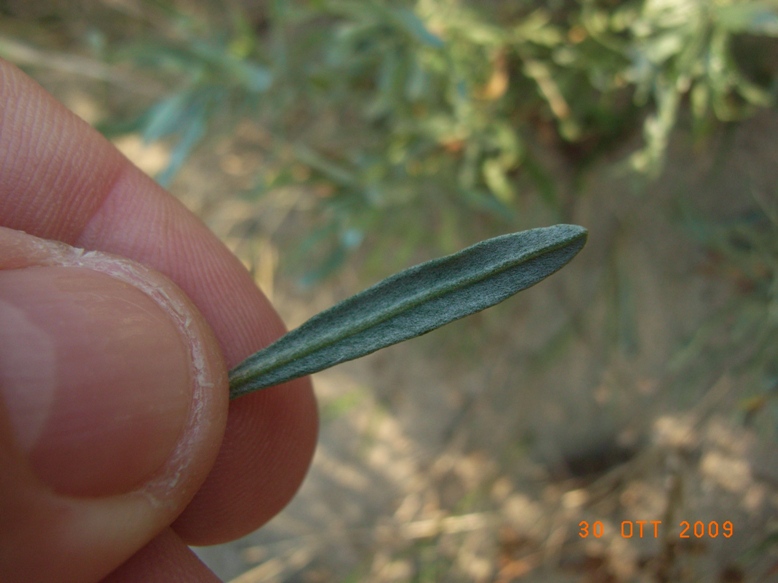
(412, 302)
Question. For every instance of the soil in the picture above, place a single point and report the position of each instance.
(546, 439)
(483, 451)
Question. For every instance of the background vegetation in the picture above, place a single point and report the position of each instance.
(399, 114)
(394, 127)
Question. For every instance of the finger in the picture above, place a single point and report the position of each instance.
(59, 179)
(252, 478)
(108, 418)
(166, 559)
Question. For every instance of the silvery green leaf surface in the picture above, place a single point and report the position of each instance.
(411, 303)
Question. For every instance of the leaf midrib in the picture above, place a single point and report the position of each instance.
(403, 306)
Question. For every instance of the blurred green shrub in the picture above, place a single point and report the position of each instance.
(403, 113)
(742, 335)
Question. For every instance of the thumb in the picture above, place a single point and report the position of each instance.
(113, 399)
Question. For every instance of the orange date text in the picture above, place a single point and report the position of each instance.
(653, 528)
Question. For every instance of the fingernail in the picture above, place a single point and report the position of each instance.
(95, 375)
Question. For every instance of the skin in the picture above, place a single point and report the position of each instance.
(118, 445)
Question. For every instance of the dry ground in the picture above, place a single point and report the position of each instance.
(474, 453)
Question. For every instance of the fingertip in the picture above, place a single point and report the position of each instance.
(267, 450)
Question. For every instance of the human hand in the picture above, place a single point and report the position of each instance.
(116, 450)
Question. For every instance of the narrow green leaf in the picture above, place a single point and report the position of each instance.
(194, 130)
(411, 303)
(415, 27)
(167, 116)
